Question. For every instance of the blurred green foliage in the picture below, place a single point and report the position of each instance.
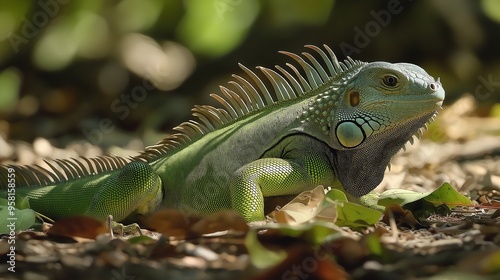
(9, 86)
(64, 63)
(218, 32)
(492, 9)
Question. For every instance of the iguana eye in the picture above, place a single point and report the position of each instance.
(390, 80)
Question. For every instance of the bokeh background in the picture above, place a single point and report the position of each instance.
(132, 69)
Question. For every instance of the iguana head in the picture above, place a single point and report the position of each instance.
(383, 98)
(377, 108)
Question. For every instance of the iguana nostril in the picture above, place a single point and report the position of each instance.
(434, 86)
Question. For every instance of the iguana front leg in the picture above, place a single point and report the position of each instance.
(135, 189)
(301, 164)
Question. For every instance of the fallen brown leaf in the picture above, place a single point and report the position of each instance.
(77, 227)
(304, 207)
(224, 220)
(172, 222)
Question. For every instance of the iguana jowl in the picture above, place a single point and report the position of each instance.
(334, 122)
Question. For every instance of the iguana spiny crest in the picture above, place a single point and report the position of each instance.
(245, 99)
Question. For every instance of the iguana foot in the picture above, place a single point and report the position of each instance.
(122, 229)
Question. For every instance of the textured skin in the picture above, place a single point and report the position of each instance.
(98, 196)
(342, 132)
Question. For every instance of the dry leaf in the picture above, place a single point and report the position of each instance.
(176, 223)
(224, 220)
(163, 250)
(172, 222)
(77, 227)
(306, 206)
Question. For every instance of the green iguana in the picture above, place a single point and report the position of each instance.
(332, 122)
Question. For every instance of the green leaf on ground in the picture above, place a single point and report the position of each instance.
(446, 194)
(440, 201)
(399, 197)
(260, 256)
(141, 239)
(22, 202)
(351, 214)
(314, 233)
(337, 195)
(14, 218)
